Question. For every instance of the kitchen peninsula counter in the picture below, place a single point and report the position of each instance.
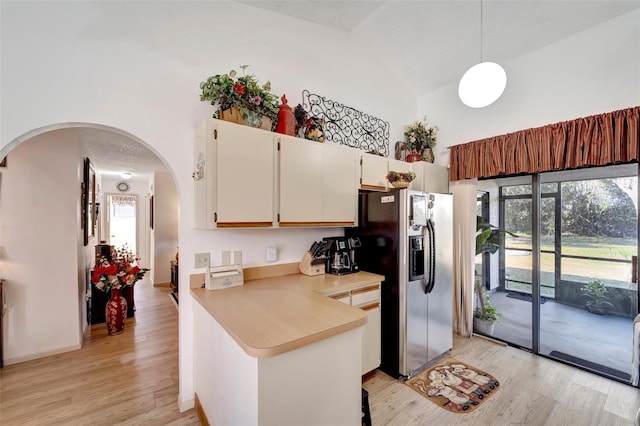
(271, 316)
(278, 351)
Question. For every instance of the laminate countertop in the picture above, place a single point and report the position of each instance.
(271, 316)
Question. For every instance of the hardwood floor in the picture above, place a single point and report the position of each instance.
(131, 378)
(533, 391)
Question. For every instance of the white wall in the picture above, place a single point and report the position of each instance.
(137, 66)
(165, 228)
(40, 205)
(592, 72)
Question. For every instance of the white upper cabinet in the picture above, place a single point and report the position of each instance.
(435, 178)
(373, 172)
(340, 191)
(235, 188)
(399, 166)
(418, 183)
(317, 183)
(300, 182)
(429, 177)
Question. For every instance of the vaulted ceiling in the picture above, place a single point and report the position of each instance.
(429, 43)
(433, 42)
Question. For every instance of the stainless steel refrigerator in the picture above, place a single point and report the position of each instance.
(406, 236)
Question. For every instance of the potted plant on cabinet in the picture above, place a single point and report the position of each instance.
(596, 291)
(241, 99)
(420, 138)
(489, 239)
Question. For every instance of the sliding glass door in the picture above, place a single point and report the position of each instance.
(577, 301)
(590, 322)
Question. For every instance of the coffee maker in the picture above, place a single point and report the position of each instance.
(341, 255)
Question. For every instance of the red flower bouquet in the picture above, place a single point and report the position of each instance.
(123, 271)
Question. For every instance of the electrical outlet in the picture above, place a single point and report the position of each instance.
(272, 253)
(202, 260)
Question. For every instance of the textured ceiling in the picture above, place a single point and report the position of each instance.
(112, 153)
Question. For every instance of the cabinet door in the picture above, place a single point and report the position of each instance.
(300, 182)
(339, 188)
(418, 169)
(436, 178)
(399, 166)
(244, 175)
(373, 172)
(371, 340)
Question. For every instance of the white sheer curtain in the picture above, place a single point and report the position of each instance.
(464, 249)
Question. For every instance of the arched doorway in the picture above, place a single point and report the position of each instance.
(44, 258)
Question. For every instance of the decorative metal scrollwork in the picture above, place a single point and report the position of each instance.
(347, 126)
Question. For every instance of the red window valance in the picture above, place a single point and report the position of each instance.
(598, 140)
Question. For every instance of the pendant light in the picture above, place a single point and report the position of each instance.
(483, 83)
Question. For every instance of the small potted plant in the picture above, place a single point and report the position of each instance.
(596, 291)
(485, 315)
(489, 239)
(241, 99)
(420, 138)
(400, 179)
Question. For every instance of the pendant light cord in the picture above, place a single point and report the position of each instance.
(481, 31)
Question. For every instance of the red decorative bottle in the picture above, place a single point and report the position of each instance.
(413, 156)
(286, 119)
(116, 312)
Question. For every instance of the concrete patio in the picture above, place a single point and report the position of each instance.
(600, 339)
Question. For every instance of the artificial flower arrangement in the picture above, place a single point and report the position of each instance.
(393, 176)
(243, 92)
(420, 136)
(123, 271)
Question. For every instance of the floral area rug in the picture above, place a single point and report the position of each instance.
(454, 385)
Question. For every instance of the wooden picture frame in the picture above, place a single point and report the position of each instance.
(401, 151)
(93, 217)
(88, 201)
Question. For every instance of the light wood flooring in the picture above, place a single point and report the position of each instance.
(131, 378)
(533, 391)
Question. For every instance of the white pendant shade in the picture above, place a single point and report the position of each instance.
(482, 84)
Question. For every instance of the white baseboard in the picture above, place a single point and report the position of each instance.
(31, 357)
(185, 405)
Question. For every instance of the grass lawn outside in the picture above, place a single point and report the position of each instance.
(614, 274)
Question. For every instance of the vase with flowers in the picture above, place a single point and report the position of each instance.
(241, 99)
(122, 272)
(420, 138)
(400, 179)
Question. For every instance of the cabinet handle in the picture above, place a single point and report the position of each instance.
(245, 224)
(372, 187)
(339, 295)
(309, 224)
(370, 307)
(365, 289)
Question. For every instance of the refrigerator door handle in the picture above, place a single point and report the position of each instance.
(431, 261)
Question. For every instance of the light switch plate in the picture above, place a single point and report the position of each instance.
(202, 260)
